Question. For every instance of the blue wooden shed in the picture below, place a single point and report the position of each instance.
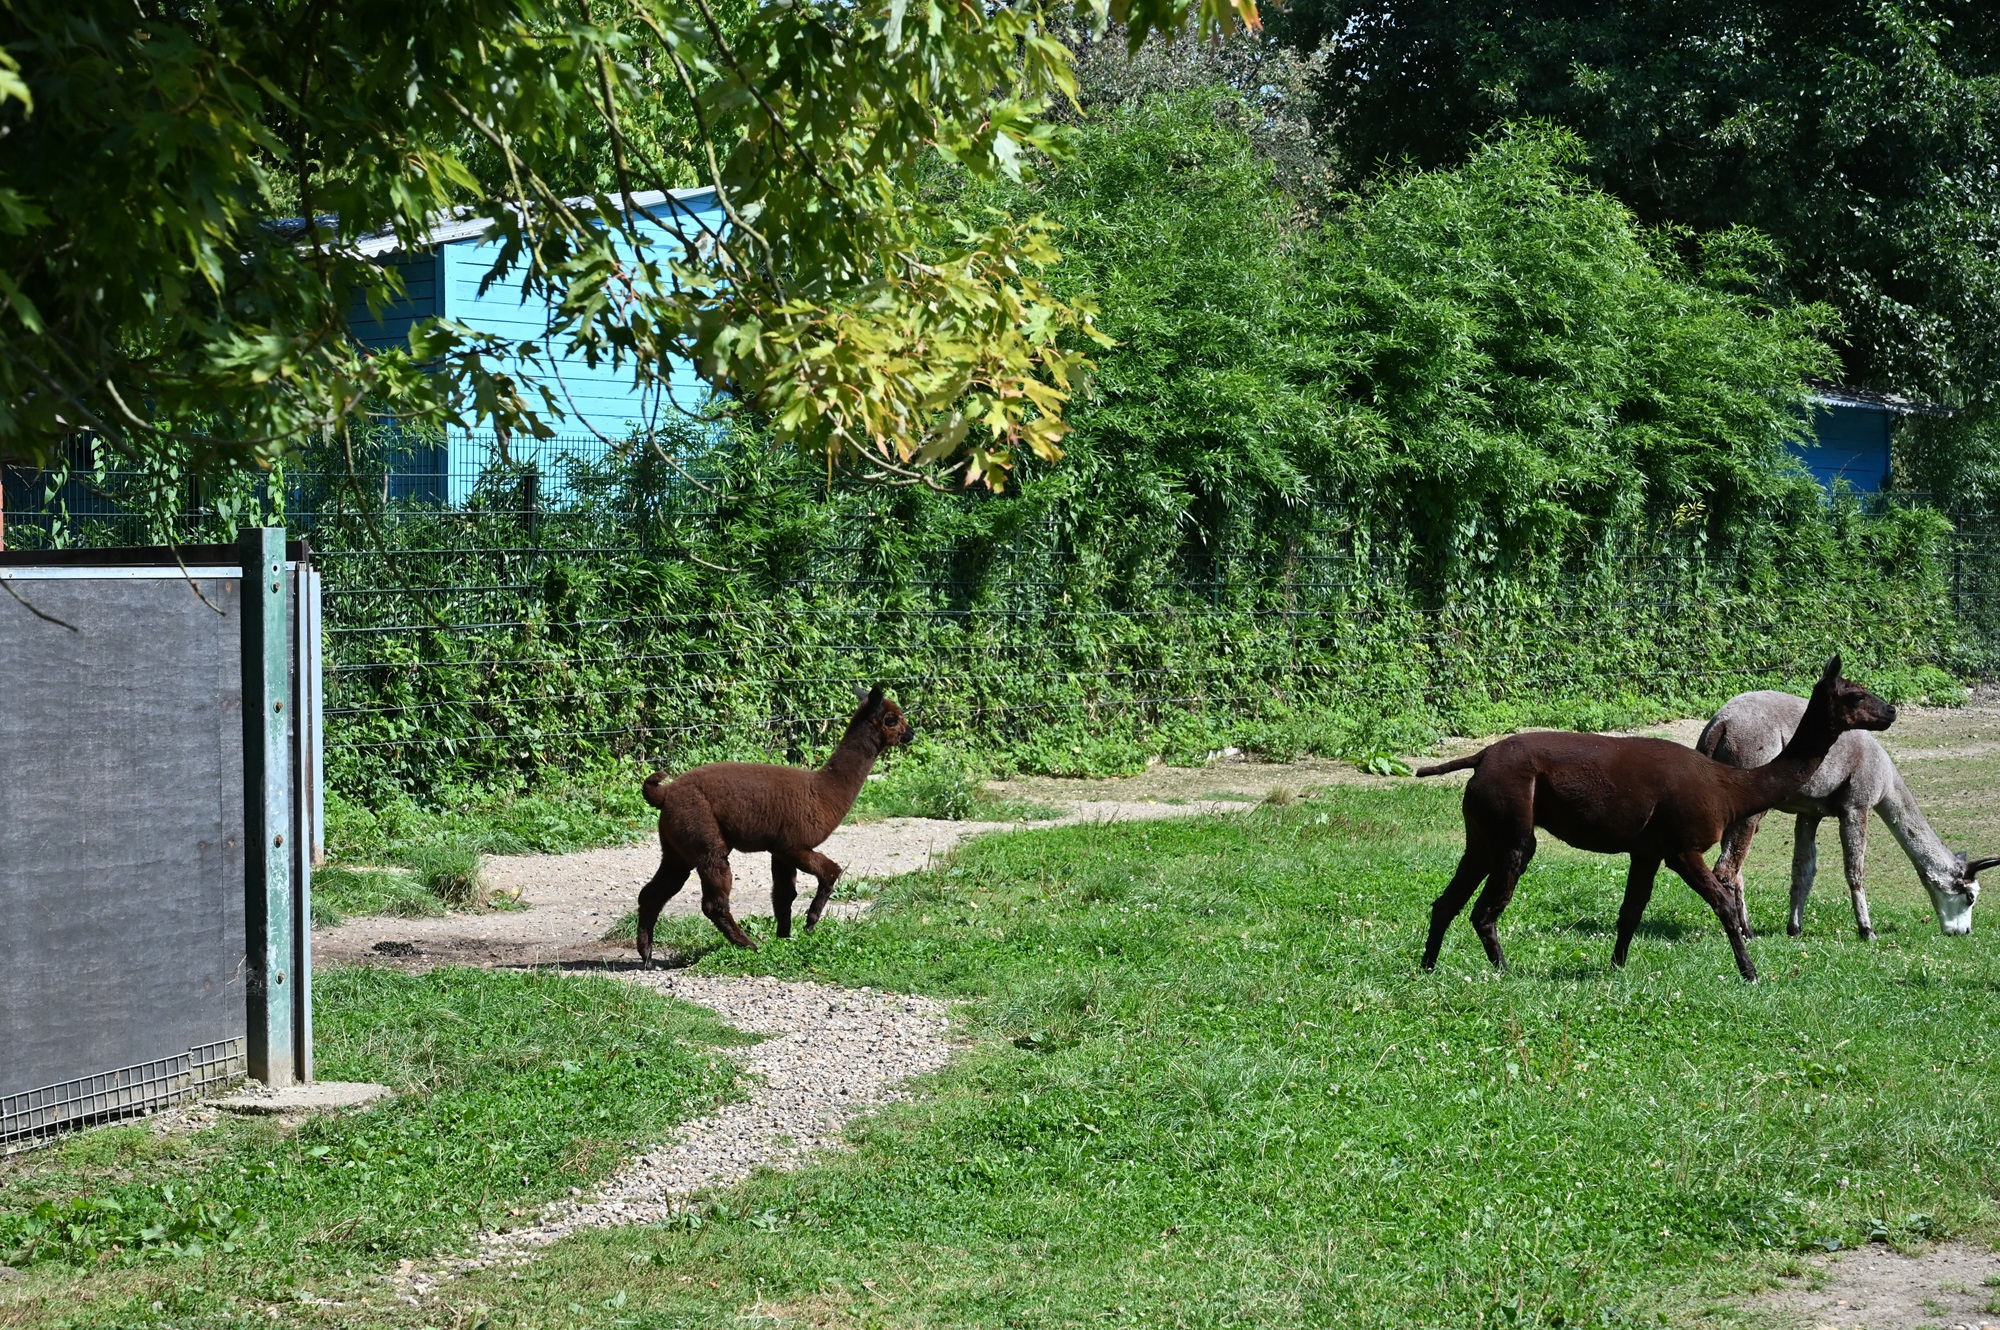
(441, 277)
(1852, 432)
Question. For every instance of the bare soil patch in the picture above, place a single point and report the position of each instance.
(1952, 1286)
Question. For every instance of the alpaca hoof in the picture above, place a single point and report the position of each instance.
(1867, 934)
(1795, 930)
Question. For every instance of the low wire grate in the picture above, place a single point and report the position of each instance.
(31, 1117)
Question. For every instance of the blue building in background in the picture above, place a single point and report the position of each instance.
(441, 277)
(1852, 429)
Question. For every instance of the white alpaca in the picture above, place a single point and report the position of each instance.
(1856, 776)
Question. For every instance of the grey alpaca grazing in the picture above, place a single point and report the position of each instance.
(1856, 776)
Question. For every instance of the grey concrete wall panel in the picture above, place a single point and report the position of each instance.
(121, 821)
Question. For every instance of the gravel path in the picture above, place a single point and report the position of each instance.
(830, 1054)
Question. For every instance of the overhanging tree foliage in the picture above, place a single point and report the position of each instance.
(147, 296)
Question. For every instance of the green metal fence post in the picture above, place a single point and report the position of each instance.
(267, 805)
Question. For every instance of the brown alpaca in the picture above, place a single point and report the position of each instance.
(724, 806)
(1649, 798)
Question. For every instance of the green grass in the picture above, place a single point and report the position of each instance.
(513, 1087)
(339, 892)
(942, 784)
(1211, 1088)
(580, 812)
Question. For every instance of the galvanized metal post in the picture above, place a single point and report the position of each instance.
(307, 710)
(268, 834)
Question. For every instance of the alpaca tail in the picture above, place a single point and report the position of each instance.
(655, 788)
(1456, 764)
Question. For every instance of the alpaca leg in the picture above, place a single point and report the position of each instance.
(1473, 866)
(1854, 850)
(653, 897)
(784, 890)
(1729, 864)
(1694, 871)
(1638, 891)
(1805, 864)
(1736, 848)
(716, 882)
(825, 872)
(1493, 901)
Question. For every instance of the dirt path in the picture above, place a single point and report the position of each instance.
(1951, 1286)
(1950, 756)
(572, 900)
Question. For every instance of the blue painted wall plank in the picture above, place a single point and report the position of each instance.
(594, 399)
(1849, 444)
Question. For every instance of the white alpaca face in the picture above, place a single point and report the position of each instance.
(1954, 908)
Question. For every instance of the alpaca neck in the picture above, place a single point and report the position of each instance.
(842, 776)
(1934, 862)
(1786, 774)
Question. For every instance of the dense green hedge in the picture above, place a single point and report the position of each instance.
(680, 626)
(1470, 449)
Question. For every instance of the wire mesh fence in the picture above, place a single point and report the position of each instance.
(508, 607)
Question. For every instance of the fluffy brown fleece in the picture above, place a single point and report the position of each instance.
(709, 811)
(1654, 800)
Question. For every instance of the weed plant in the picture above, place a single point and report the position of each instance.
(450, 873)
(339, 892)
(939, 783)
(1211, 1088)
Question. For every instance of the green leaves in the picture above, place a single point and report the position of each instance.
(1857, 134)
(150, 296)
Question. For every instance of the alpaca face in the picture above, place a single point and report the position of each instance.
(1954, 903)
(1859, 709)
(893, 726)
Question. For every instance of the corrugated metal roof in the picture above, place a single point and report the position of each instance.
(1867, 399)
(466, 224)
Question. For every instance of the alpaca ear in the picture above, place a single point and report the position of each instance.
(1832, 671)
(874, 694)
(1978, 866)
(860, 693)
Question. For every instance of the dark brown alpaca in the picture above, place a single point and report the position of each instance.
(724, 806)
(1649, 798)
